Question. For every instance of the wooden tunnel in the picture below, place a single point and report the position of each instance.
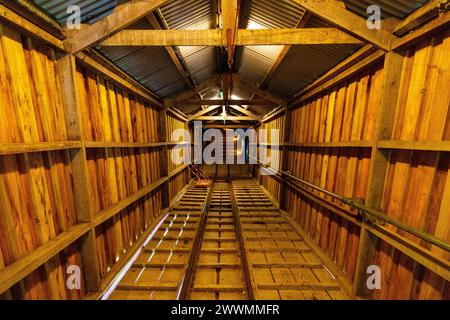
(94, 181)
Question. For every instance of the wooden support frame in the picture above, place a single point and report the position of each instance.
(228, 118)
(164, 165)
(393, 65)
(171, 52)
(123, 16)
(301, 23)
(239, 102)
(203, 112)
(189, 94)
(246, 112)
(244, 37)
(83, 205)
(230, 23)
(337, 15)
(30, 28)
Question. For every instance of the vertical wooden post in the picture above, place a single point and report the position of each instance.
(393, 65)
(284, 156)
(164, 165)
(81, 187)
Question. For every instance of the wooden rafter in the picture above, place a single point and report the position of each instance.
(203, 112)
(171, 52)
(230, 22)
(301, 23)
(253, 102)
(246, 112)
(428, 11)
(122, 17)
(341, 17)
(189, 94)
(228, 118)
(260, 92)
(244, 37)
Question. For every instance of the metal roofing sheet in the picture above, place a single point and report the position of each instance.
(91, 10)
(200, 61)
(389, 8)
(303, 64)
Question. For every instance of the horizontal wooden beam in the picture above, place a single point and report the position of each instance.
(228, 118)
(100, 144)
(226, 126)
(443, 146)
(18, 270)
(255, 102)
(335, 144)
(245, 37)
(165, 38)
(17, 148)
(303, 36)
(123, 16)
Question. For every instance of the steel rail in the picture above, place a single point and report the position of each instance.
(363, 210)
(238, 231)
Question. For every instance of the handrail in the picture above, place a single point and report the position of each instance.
(363, 210)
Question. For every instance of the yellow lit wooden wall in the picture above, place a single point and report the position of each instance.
(332, 145)
(119, 150)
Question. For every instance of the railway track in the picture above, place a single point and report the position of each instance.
(227, 241)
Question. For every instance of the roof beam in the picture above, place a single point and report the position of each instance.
(245, 37)
(335, 14)
(304, 36)
(188, 94)
(428, 11)
(171, 52)
(301, 23)
(260, 92)
(253, 102)
(228, 118)
(203, 112)
(246, 112)
(125, 15)
(230, 17)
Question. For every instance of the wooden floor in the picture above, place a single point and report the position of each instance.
(228, 241)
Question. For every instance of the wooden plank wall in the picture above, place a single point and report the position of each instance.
(110, 114)
(117, 141)
(417, 183)
(273, 185)
(181, 178)
(331, 146)
(36, 201)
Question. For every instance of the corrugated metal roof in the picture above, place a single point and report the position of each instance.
(303, 64)
(91, 10)
(196, 15)
(253, 62)
(389, 8)
(153, 67)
